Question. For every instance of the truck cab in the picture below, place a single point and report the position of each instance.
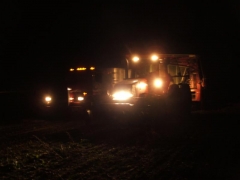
(88, 85)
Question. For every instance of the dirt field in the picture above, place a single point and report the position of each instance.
(205, 146)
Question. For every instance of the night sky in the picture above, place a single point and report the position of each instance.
(39, 38)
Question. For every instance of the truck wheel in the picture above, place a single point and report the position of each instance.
(173, 100)
(186, 100)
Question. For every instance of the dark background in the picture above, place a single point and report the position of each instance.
(40, 40)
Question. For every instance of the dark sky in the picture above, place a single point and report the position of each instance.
(41, 36)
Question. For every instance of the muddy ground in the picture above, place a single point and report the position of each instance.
(203, 146)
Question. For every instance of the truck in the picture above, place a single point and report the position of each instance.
(84, 85)
(88, 85)
(148, 84)
(159, 84)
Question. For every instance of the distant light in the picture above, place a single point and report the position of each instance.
(154, 57)
(71, 69)
(192, 55)
(135, 59)
(89, 112)
(71, 98)
(69, 89)
(48, 98)
(81, 69)
(92, 68)
(84, 93)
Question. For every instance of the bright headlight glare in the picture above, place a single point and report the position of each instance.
(80, 98)
(135, 59)
(122, 95)
(154, 57)
(48, 98)
(158, 83)
(141, 85)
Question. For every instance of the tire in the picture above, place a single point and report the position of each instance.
(173, 100)
(186, 100)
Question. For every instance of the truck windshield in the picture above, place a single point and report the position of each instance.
(179, 74)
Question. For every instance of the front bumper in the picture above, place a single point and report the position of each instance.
(142, 105)
(132, 106)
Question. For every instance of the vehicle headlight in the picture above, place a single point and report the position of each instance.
(48, 99)
(80, 98)
(158, 83)
(141, 85)
(122, 95)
